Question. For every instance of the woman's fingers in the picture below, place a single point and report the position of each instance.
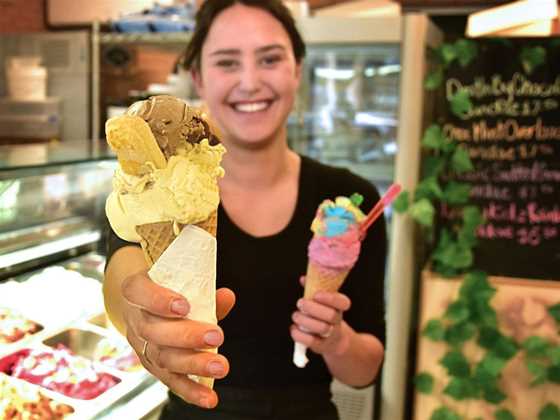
(143, 293)
(182, 333)
(193, 362)
(180, 384)
(311, 325)
(225, 299)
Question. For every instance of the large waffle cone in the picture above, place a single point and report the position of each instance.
(156, 237)
(318, 279)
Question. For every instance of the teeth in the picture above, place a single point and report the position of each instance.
(252, 107)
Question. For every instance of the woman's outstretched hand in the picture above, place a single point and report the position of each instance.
(319, 323)
(168, 344)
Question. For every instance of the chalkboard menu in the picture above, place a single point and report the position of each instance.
(512, 133)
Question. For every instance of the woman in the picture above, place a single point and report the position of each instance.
(245, 58)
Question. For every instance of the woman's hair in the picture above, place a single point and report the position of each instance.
(212, 8)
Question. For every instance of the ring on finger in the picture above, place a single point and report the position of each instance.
(329, 332)
(145, 352)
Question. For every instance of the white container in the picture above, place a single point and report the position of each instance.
(26, 79)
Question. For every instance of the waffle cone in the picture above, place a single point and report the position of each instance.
(156, 237)
(318, 279)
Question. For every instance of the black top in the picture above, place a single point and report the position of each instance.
(264, 274)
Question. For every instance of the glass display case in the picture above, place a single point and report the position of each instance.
(51, 203)
(58, 351)
(347, 111)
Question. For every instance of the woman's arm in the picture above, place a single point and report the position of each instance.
(357, 361)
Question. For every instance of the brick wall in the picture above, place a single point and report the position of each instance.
(22, 16)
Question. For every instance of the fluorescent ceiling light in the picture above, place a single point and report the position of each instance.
(546, 27)
(518, 14)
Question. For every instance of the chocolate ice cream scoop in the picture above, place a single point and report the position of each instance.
(172, 122)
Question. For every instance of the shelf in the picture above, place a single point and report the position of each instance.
(148, 38)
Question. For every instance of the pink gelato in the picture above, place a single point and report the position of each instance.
(336, 243)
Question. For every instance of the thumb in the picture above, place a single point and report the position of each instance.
(225, 299)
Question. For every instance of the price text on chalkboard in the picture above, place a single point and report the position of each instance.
(512, 133)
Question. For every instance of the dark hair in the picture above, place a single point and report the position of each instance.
(212, 8)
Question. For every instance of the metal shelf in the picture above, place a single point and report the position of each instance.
(147, 38)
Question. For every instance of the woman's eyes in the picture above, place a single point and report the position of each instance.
(265, 61)
(227, 64)
(270, 60)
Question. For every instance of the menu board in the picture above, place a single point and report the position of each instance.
(512, 133)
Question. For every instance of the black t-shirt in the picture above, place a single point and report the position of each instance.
(264, 273)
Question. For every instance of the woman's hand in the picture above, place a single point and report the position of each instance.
(319, 324)
(168, 344)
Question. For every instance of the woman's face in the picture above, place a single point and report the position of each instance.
(248, 76)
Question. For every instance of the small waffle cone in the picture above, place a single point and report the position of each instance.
(318, 279)
(156, 237)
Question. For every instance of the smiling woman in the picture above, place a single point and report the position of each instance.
(245, 57)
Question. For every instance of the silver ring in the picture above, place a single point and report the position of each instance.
(145, 352)
(329, 332)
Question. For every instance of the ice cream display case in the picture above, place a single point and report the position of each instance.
(59, 355)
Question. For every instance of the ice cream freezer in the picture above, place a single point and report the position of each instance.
(59, 355)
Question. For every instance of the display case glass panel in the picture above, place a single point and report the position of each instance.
(347, 110)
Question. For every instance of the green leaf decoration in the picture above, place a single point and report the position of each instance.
(461, 389)
(456, 193)
(457, 311)
(483, 314)
(553, 374)
(466, 51)
(461, 103)
(433, 137)
(428, 188)
(454, 255)
(467, 236)
(457, 334)
(456, 364)
(357, 199)
(448, 53)
(401, 203)
(434, 330)
(472, 217)
(554, 311)
(493, 394)
(491, 365)
(461, 161)
(553, 353)
(424, 383)
(531, 58)
(549, 412)
(504, 414)
(539, 372)
(492, 339)
(444, 413)
(433, 166)
(535, 346)
(434, 79)
(423, 212)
